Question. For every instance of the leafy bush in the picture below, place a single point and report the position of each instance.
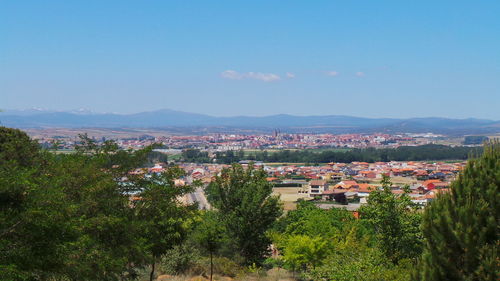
(271, 263)
(180, 260)
(222, 266)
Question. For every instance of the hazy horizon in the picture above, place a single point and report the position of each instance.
(6, 111)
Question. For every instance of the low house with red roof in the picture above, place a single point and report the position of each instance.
(438, 185)
(364, 189)
(368, 174)
(418, 188)
(429, 196)
(272, 179)
(421, 174)
(429, 184)
(333, 194)
(346, 184)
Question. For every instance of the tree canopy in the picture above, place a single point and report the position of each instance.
(244, 199)
(395, 221)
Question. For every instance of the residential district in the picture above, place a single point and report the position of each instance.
(335, 185)
(332, 185)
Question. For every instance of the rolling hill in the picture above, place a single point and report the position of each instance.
(291, 123)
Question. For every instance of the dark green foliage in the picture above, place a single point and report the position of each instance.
(242, 196)
(163, 219)
(209, 235)
(229, 157)
(461, 228)
(156, 157)
(181, 259)
(17, 149)
(313, 221)
(270, 263)
(209, 231)
(331, 245)
(163, 216)
(105, 233)
(33, 216)
(186, 259)
(395, 221)
(403, 153)
(195, 155)
(475, 139)
(69, 217)
(353, 261)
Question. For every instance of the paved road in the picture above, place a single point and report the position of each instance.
(199, 196)
(350, 207)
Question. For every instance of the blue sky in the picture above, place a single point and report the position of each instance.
(361, 58)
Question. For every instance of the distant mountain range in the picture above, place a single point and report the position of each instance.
(37, 118)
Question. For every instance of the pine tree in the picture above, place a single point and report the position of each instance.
(461, 227)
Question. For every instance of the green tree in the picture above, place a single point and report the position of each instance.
(105, 236)
(302, 251)
(354, 261)
(396, 222)
(209, 234)
(461, 228)
(66, 216)
(33, 215)
(310, 220)
(163, 216)
(17, 149)
(247, 209)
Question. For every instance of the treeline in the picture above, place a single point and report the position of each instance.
(475, 139)
(404, 153)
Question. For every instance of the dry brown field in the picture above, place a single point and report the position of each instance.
(397, 181)
(289, 195)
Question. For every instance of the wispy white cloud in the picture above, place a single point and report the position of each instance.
(231, 74)
(332, 73)
(235, 75)
(290, 75)
(360, 74)
(266, 77)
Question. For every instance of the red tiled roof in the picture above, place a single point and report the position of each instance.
(364, 187)
(349, 182)
(427, 182)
